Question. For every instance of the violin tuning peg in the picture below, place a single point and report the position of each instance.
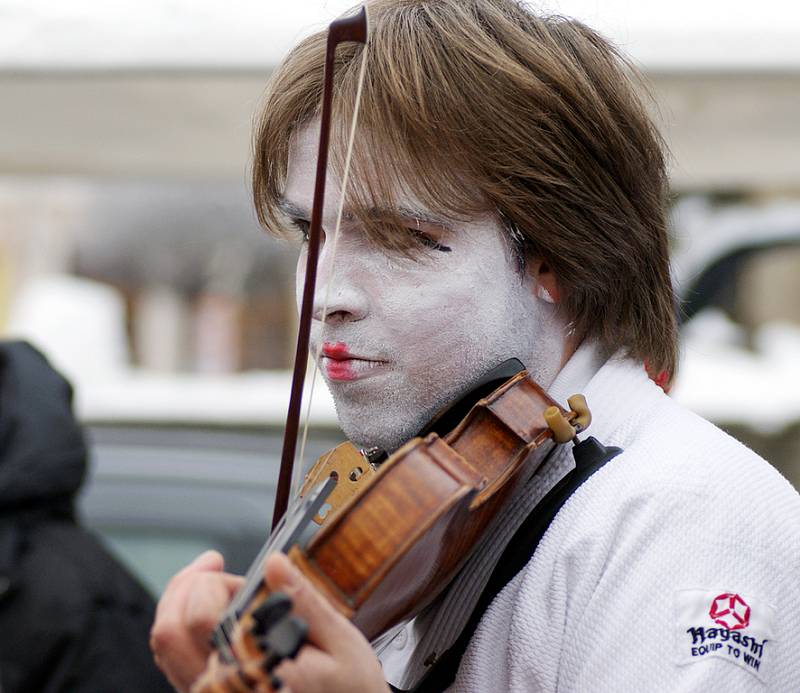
(272, 610)
(584, 417)
(559, 425)
(563, 429)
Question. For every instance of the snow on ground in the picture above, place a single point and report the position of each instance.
(241, 399)
(79, 325)
(727, 383)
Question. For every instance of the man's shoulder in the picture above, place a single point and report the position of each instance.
(676, 451)
(678, 462)
(683, 499)
(683, 512)
(684, 505)
(671, 453)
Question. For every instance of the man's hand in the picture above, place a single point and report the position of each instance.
(337, 657)
(187, 612)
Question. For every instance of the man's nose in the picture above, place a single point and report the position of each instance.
(338, 285)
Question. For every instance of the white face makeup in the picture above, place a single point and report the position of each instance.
(403, 338)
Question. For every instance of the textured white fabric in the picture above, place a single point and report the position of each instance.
(683, 508)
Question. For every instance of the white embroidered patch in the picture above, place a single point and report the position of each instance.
(731, 625)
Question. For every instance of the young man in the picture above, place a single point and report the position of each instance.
(508, 200)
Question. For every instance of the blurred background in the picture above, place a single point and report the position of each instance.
(130, 254)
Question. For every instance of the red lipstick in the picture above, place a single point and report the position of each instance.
(336, 351)
(339, 364)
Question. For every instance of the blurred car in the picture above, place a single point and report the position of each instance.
(164, 488)
(737, 270)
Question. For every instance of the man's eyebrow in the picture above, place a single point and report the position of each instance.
(422, 216)
(292, 210)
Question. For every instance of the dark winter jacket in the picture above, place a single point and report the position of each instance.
(72, 620)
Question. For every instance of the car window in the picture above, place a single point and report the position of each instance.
(154, 557)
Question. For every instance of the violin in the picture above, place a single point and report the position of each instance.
(381, 536)
(397, 531)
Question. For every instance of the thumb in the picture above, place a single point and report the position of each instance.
(327, 628)
(208, 560)
(213, 561)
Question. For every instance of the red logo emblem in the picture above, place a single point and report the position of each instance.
(730, 610)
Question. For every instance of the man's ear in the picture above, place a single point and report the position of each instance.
(544, 281)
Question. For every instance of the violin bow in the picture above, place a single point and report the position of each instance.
(351, 28)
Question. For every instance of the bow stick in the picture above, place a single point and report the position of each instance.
(353, 28)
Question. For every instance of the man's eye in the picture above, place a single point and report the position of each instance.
(302, 226)
(429, 242)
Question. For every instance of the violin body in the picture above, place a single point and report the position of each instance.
(398, 540)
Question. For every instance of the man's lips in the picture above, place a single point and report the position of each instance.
(339, 363)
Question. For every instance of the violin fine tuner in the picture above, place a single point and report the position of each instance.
(352, 469)
(374, 455)
(565, 429)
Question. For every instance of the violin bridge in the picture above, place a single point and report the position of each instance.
(349, 467)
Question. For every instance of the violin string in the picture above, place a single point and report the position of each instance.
(298, 468)
(253, 580)
(254, 574)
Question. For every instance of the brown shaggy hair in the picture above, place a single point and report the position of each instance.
(477, 106)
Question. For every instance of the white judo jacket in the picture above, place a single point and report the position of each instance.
(675, 567)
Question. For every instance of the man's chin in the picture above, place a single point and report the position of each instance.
(382, 411)
(375, 425)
